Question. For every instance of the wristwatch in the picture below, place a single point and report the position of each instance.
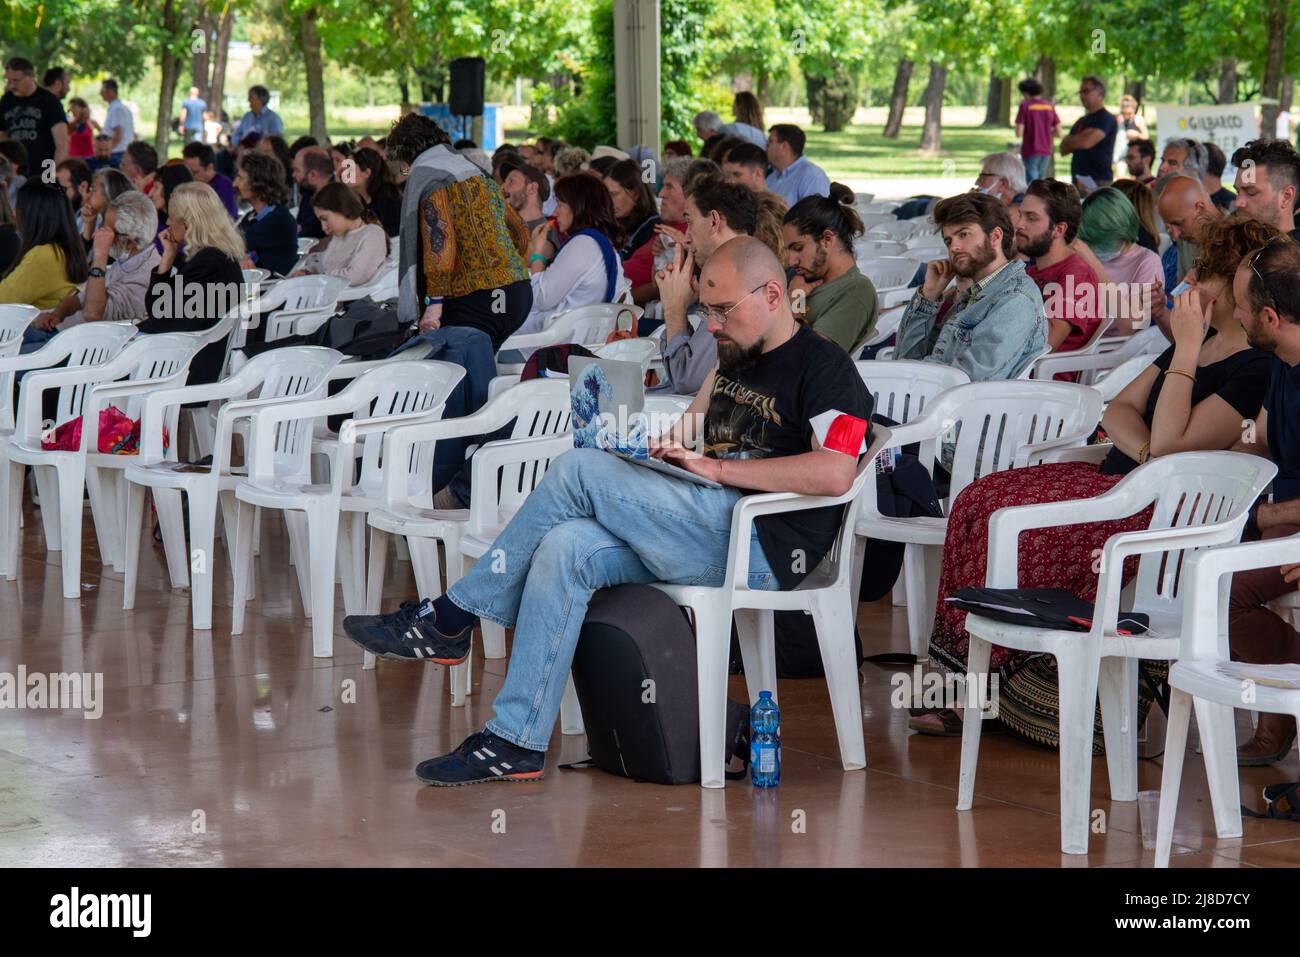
(97, 273)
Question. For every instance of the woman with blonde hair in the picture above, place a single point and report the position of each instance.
(207, 272)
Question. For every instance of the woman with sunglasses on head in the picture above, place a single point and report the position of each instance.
(1193, 397)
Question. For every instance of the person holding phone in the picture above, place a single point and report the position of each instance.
(1194, 397)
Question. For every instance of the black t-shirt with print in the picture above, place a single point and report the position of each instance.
(765, 412)
(29, 120)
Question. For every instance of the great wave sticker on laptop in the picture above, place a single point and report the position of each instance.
(608, 401)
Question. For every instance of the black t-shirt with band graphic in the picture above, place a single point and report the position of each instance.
(768, 411)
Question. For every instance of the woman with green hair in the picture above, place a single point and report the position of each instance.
(1107, 241)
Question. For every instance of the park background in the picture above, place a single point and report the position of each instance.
(906, 92)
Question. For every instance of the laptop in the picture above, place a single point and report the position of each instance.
(608, 401)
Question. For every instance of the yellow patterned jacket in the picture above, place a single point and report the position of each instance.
(471, 239)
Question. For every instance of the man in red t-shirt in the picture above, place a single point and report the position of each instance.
(1037, 125)
(1049, 219)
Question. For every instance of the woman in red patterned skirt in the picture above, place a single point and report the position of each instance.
(1194, 397)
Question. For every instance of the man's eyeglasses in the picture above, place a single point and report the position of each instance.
(711, 314)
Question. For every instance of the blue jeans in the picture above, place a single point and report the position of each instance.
(592, 522)
(1035, 167)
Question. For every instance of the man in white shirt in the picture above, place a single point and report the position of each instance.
(119, 124)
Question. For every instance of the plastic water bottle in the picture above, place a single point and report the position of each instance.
(765, 742)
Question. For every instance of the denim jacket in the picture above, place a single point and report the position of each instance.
(990, 336)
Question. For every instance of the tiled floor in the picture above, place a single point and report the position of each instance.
(244, 751)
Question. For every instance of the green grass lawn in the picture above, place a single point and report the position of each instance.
(861, 152)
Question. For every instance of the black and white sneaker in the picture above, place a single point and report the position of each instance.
(483, 757)
(409, 634)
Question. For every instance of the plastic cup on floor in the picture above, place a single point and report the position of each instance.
(1149, 816)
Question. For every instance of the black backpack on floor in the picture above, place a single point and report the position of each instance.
(635, 673)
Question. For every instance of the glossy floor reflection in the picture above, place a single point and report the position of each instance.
(248, 751)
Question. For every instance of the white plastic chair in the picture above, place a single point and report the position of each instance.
(291, 300)
(875, 218)
(267, 378)
(381, 287)
(865, 250)
(14, 320)
(901, 388)
(897, 230)
(279, 477)
(1201, 499)
(825, 594)
(925, 252)
(1089, 348)
(887, 273)
(1096, 367)
(991, 426)
(255, 277)
(148, 363)
(926, 228)
(887, 324)
(83, 345)
(1195, 680)
(585, 325)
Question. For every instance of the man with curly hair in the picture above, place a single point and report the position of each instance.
(462, 245)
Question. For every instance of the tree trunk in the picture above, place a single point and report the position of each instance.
(993, 102)
(404, 87)
(201, 63)
(1228, 80)
(931, 132)
(171, 67)
(1004, 102)
(1287, 96)
(1045, 73)
(1137, 89)
(1271, 87)
(220, 56)
(311, 55)
(898, 99)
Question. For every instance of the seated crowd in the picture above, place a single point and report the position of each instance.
(743, 256)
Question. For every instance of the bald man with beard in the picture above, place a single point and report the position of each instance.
(784, 411)
(1186, 209)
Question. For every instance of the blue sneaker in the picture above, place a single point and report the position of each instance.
(483, 757)
(409, 634)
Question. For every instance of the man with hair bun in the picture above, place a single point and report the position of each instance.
(838, 301)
